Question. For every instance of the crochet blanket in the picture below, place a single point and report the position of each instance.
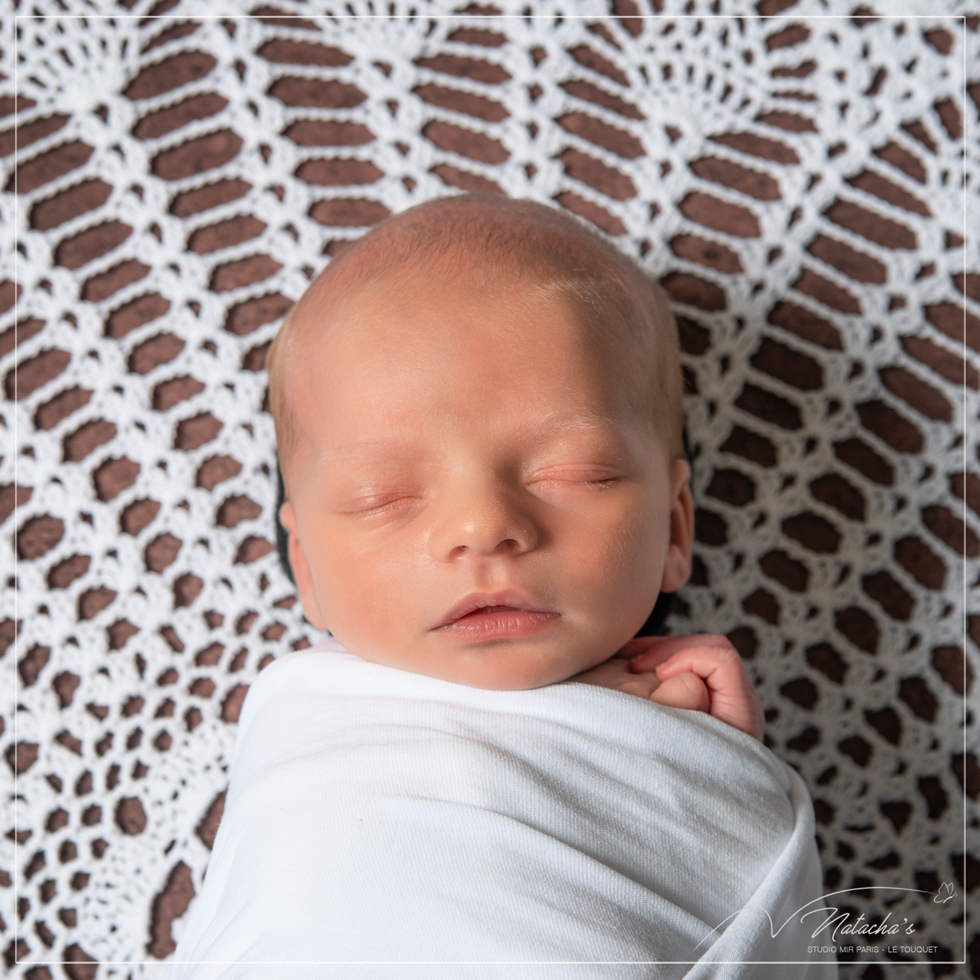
(800, 174)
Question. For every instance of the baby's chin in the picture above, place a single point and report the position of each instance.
(498, 665)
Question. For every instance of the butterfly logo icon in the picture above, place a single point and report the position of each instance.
(945, 893)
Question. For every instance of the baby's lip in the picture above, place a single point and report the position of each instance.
(482, 600)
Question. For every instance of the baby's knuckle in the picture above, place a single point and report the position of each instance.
(714, 639)
(728, 655)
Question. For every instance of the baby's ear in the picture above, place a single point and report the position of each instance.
(677, 568)
(301, 568)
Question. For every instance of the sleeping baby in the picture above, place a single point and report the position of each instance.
(483, 772)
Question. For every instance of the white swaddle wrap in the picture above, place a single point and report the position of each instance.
(382, 817)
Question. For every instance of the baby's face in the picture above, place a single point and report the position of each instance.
(470, 496)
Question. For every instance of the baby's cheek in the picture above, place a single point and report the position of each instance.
(617, 562)
(360, 588)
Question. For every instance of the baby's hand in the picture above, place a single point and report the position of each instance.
(681, 660)
(699, 673)
(615, 674)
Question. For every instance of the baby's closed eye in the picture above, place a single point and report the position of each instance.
(590, 477)
(378, 502)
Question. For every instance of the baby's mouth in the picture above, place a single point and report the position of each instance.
(482, 616)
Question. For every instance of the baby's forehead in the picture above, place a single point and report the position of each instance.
(361, 313)
(371, 359)
(420, 305)
(480, 252)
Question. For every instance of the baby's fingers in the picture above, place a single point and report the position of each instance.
(733, 698)
(655, 650)
(718, 666)
(684, 690)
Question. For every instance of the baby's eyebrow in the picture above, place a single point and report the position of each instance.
(370, 449)
(592, 430)
(585, 421)
(540, 430)
(549, 425)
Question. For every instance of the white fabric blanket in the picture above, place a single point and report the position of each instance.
(383, 824)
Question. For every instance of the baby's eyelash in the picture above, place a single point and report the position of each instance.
(599, 484)
(378, 508)
(366, 508)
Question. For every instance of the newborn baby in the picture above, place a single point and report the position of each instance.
(479, 425)
(479, 419)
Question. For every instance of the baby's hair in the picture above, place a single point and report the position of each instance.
(478, 238)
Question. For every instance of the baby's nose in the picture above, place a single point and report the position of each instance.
(481, 521)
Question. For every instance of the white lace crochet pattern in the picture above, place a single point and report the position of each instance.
(800, 175)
